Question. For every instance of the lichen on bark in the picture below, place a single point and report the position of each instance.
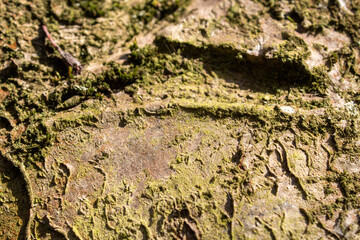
(191, 119)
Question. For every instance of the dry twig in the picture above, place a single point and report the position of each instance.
(67, 57)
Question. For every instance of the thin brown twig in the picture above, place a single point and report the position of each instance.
(67, 57)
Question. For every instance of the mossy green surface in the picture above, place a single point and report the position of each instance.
(183, 139)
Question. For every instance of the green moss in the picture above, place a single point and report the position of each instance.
(349, 185)
(237, 16)
(229, 110)
(314, 19)
(271, 71)
(32, 146)
(180, 138)
(347, 23)
(274, 8)
(144, 13)
(71, 102)
(332, 59)
(347, 58)
(73, 11)
(93, 9)
(178, 202)
(212, 121)
(88, 117)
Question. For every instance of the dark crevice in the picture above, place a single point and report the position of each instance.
(258, 73)
(17, 186)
